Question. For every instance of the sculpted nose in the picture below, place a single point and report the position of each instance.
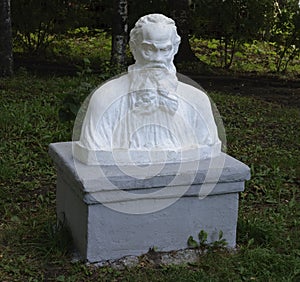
(157, 56)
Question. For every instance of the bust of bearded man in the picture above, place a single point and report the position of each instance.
(147, 115)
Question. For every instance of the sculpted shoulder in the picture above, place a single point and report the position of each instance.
(110, 90)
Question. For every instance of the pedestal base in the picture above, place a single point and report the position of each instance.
(101, 230)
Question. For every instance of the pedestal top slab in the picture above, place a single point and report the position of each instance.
(222, 169)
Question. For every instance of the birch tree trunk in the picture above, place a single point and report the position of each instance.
(179, 12)
(119, 33)
(6, 56)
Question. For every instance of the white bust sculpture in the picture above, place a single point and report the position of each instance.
(147, 115)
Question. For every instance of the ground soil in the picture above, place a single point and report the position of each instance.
(285, 92)
(281, 91)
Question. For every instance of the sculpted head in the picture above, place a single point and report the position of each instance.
(154, 42)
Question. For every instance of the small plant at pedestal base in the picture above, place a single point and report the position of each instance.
(203, 243)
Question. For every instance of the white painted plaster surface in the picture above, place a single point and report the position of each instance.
(101, 233)
(147, 115)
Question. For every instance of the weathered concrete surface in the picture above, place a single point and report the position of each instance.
(101, 232)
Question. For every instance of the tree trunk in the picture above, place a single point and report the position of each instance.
(119, 33)
(6, 56)
(179, 12)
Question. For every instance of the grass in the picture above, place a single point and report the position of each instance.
(32, 248)
(264, 135)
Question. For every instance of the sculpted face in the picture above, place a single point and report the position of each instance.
(155, 49)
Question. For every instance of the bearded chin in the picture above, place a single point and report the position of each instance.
(155, 78)
(157, 65)
(152, 89)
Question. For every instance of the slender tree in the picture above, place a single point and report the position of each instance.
(6, 57)
(179, 11)
(119, 33)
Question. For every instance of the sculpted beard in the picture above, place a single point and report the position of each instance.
(152, 89)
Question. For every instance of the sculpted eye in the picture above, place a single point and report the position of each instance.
(166, 49)
(148, 48)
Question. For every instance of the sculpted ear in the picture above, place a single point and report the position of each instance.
(132, 48)
(176, 41)
(175, 49)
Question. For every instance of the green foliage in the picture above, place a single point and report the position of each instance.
(286, 33)
(237, 19)
(192, 243)
(203, 241)
(73, 29)
(231, 22)
(239, 22)
(36, 22)
(136, 10)
(202, 236)
(82, 43)
(256, 56)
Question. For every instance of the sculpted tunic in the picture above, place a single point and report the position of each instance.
(172, 121)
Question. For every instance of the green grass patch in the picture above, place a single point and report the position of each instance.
(32, 248)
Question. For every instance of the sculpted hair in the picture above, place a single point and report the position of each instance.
(135, 33)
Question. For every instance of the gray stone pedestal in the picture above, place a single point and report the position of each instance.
(112, 214)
